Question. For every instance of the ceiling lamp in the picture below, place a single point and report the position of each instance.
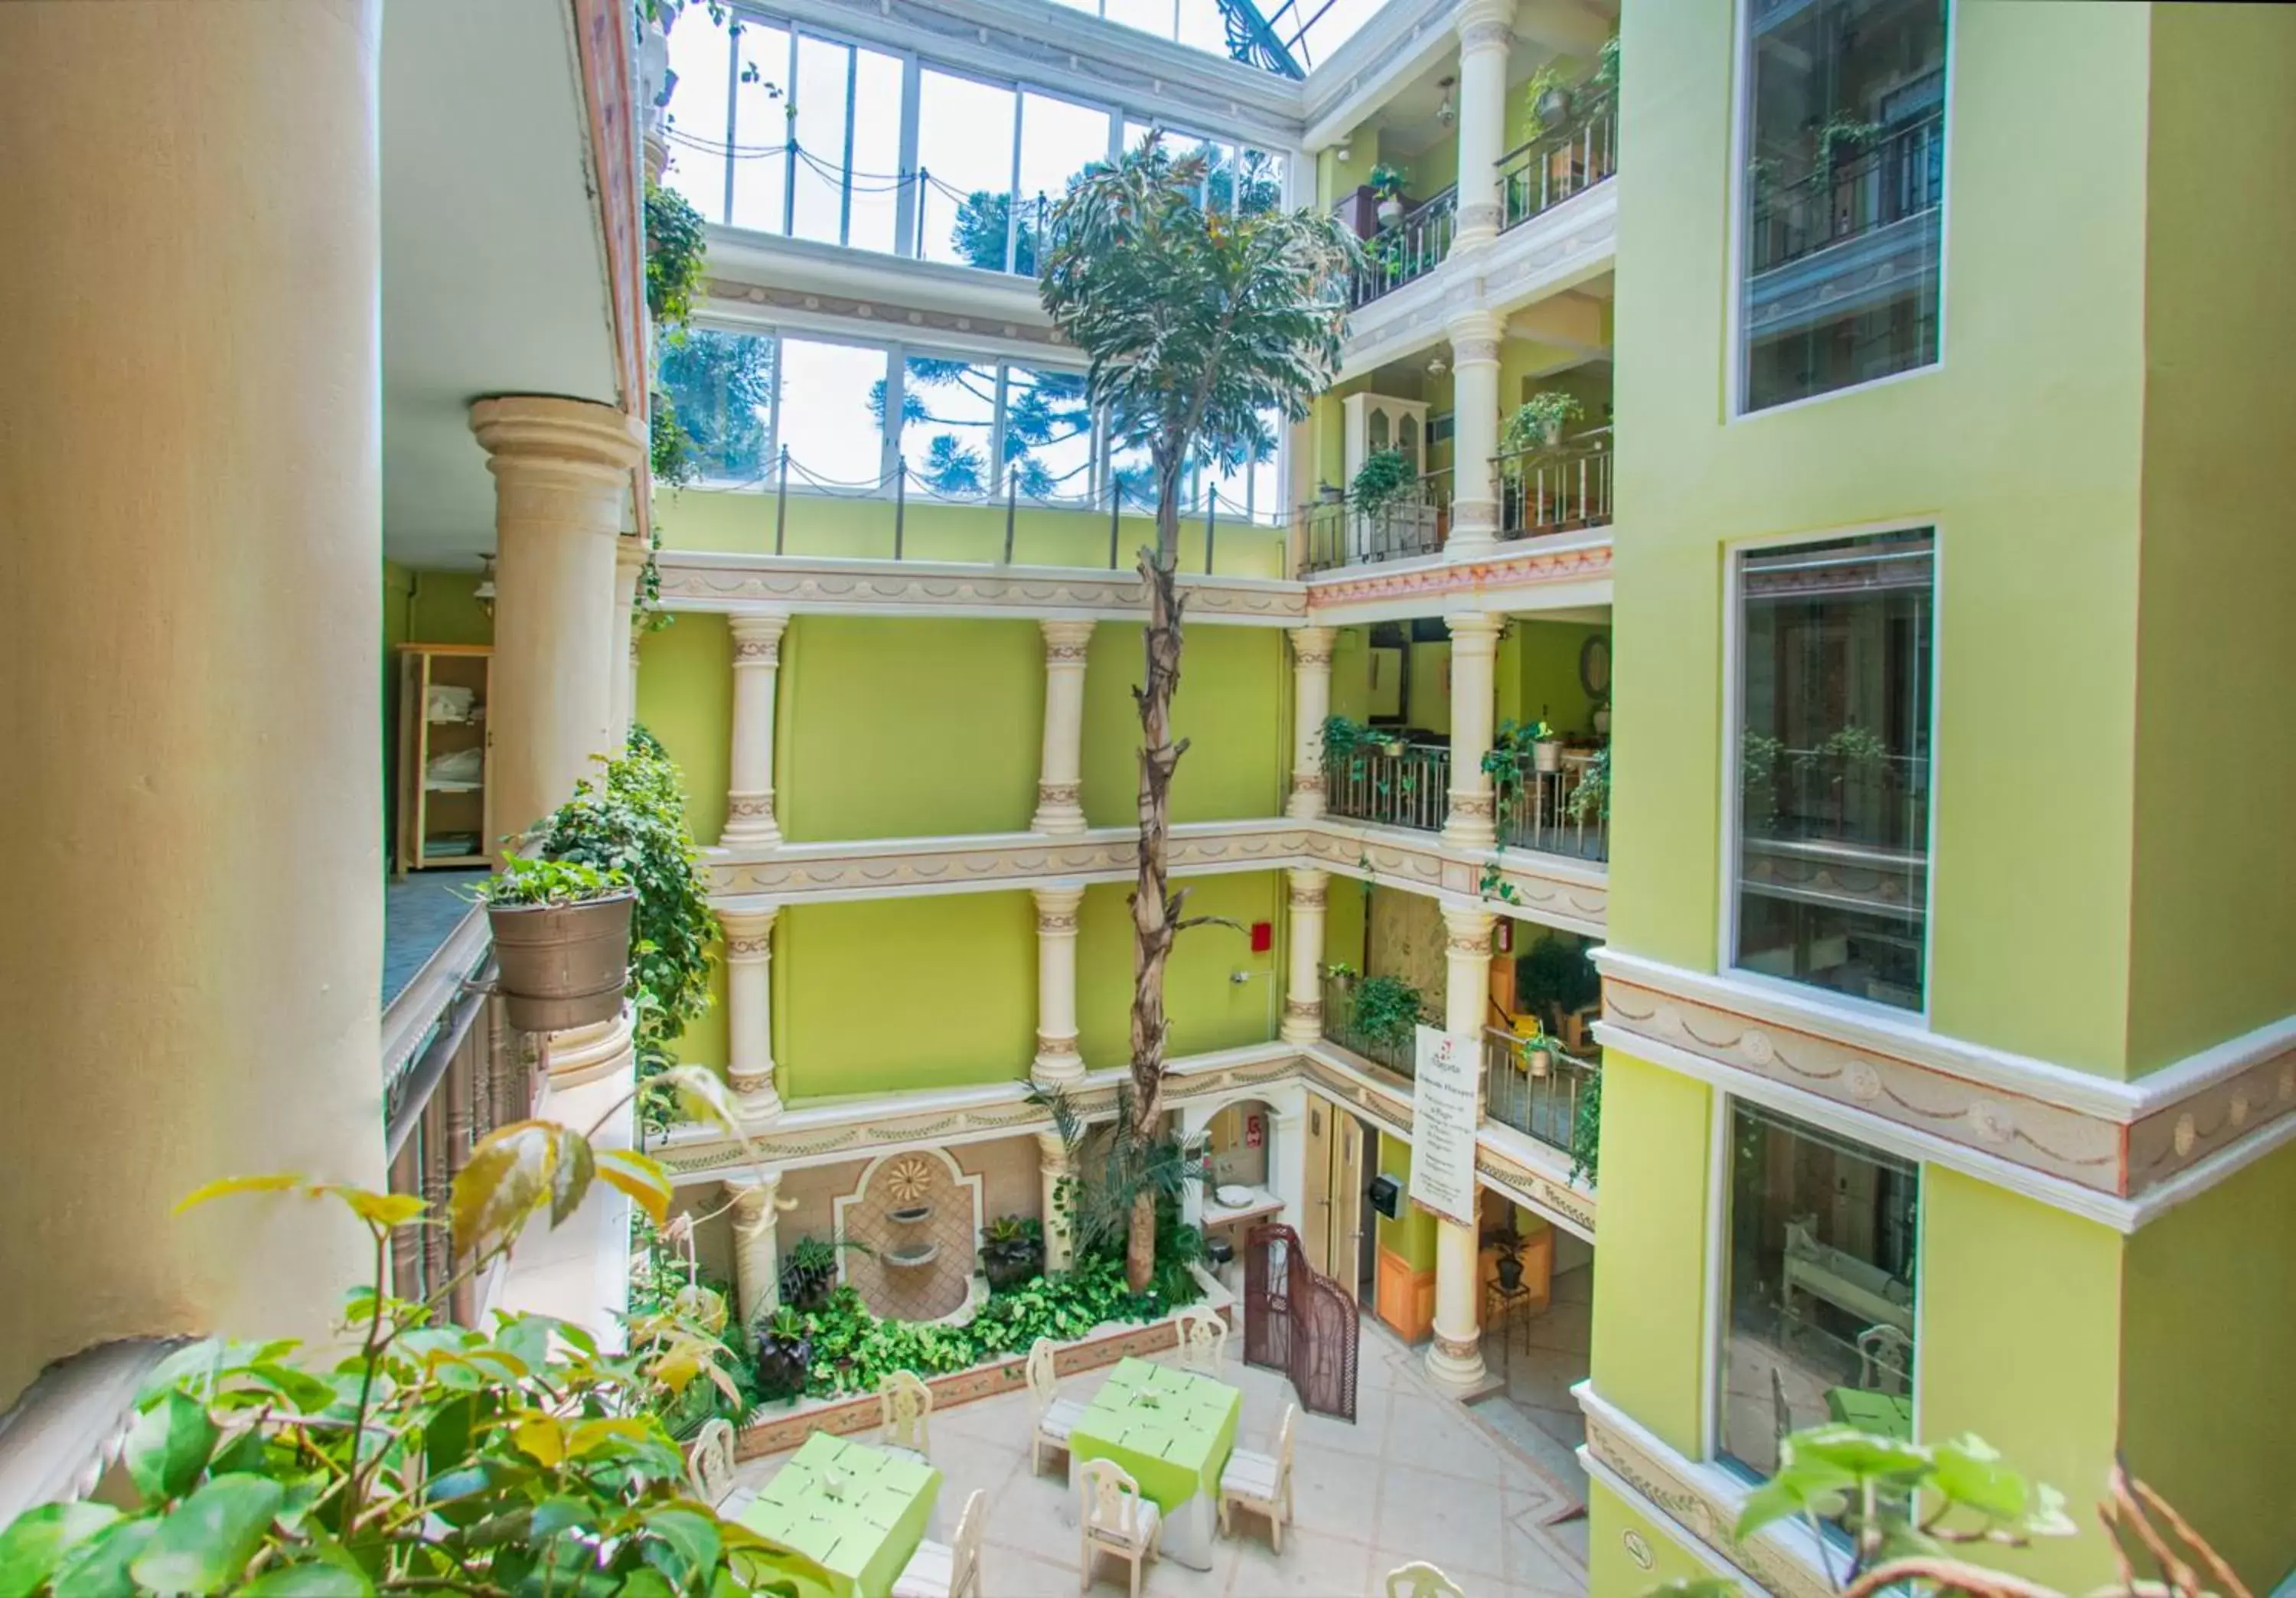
(1435, 366)
(485, 591)
(1446, 113)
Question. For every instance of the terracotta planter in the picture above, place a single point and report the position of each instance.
(562, 965)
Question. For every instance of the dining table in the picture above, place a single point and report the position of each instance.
(842, 1517)
(1172, 1431)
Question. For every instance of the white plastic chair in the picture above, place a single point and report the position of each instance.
(1056, 1417)
(1262, 1482)
(947, 1569)
(904, 1407)
(1117, 1520)
(709, 1463)
(1203, 1341)
(1420, 1580)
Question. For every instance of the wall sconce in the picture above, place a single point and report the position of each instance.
(1447, 113)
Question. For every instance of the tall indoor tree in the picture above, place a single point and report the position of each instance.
(1198, 323)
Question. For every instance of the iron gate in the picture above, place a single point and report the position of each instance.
(1299, 1321)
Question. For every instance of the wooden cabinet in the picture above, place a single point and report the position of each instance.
(446, 797)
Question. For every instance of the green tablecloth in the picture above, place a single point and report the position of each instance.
(854, 1544)
(1175, 1448)
(1882, 1415)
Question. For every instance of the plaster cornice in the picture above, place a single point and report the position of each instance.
(1553, 571)
(709, 580)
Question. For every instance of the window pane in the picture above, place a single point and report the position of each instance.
(947, 409)
(1820, 1285)
(762, 127)
(1132, 469)
(1059, 138)
(830, 397)
(1844, 184)
(877, 187)
(964, 143)
(820, 127)
(702, 59)
(1833, 764)
(723, 384)
(1047, 433)
(1259, 182)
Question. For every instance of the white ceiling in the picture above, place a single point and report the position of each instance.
(494, 278)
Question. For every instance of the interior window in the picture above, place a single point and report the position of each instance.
(1047, 433)
(832, 396)
(760, 125)
(948, 411)
(722, 384)
(964, 145)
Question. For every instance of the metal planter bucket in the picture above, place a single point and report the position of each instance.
(562, 965)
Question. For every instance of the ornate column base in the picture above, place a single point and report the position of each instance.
(1474, 529)
(1057, 1065)
(1455, 1361)
(1306, 802)
(1058, 812)
(1470, 825)
(750, 823)
(586, 1053)
(759, 1100)
(1303, 1021)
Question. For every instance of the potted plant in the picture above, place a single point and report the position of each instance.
(561, 933)
(1600, 717)
(1509, 1262)
(1546, 746)
(784, 1355)
(1384, 477)
(1386, 182)
(1537, 422)
(1012, 1251)
(809, 1272)
(1388, 1010)
(1535, 1051)
(1591, 799)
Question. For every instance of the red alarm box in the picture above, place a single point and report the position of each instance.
(1263, 937)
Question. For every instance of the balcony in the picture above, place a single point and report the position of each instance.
(1900, 177)
(1401, 785)
(1347, 530)
(1536, 177)
(1566, 811)
(1533, 1087)
(1374, 1017)
(1408, 251)
(1563, 488)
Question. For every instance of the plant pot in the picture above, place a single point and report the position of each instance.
(1546, 755)
(1541, 1061)
(1006, 1274)
(1551, 107)
(1390, 211)
(562, 965)
(1602, 719)
(783, 1367)
(1509, 1266)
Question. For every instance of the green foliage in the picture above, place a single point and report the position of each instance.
(1384, 477)
(1012, 1250)
(1841, 136)
(428, 1457)
(1388, 1010)
(672, 455)
(1590, 801)
(1555, 975)
(1539, 418)
(1605, 79)
(524, 881)
(722, 383)
(1388, 182)
(666, 1280)
(1859, 749)
(1538, 86)
(1114, 1166)
(1349, 741)
(676, 249)
(1586, 1128)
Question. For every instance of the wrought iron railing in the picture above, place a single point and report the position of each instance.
(1558, 489)
(1404, 785)
(1555, 166)
(1339, 531)
(1566, 811)
(1410, 249)
(1536, 1088)
(1900, 175)
(1399, 1054)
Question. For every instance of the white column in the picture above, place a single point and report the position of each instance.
(1311, 702)
(1287, 1155)
(1475, 434)
(629, 561)
(1057, 1060)
(750, 1012)
(1060, 781)
(1486, 35)
(637, 636)
(1053, 1169)
(750, 787)
(1474, 649)
(756, 1246)
(1303, 991)
(1455, 1357)
(561, 471)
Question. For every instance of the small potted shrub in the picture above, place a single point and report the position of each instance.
(808, 1273)
(1384, 477)
(1537, 422)
(1388, 1010)
(784, 1355)
(1012, 1251)
(1386, 182)
(562, 934)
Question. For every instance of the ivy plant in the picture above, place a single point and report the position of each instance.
(1388, 1008)
(530, 883)
(672, 455)
(676, 250)
(1538, 421)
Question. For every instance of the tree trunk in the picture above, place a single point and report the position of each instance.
(1154, 909)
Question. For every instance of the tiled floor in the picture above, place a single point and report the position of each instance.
(1541, 1359)
(1416, 1477)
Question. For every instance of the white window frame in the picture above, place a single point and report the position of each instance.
(1725, 950)
(1734, 402)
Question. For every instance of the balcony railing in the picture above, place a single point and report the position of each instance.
(1562, 488)
(1397, 1054)
(1410, 249)
(1901, 175)
(1538, 1090)
(1560, 812)
(1338, 531)
(1408, 785)
(1540, 175)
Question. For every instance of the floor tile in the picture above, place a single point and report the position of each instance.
(1457, 1524)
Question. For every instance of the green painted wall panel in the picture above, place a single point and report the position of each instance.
(2207, 1386)
(2214, 916)
(1233, 707)
(1618, 1533)
(443, 608)
(1649, 1293)
(900, 996)
(2020, 1315)
(1206, 1010)
(1411, 1235)
(685, 698)
(1549, 684)
(1347, 913)
(907, 726)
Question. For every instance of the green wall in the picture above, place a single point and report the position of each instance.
(2207, 1386)
(2022, 448)
(1649, 1292)
(2214, 916)
(1411, 1235)
(1233, 707)
(899, 995)
(443, 608)
(1206, 1010)
(1616, 1531)
(685, 698)
(1547, 659)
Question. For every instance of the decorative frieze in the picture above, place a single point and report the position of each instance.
(703, 580)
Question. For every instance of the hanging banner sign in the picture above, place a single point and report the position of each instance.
(1447, 1067)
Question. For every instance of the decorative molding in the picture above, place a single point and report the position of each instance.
(1473, 351)
(1058, 796)
(1531, 1175)
(1567, 568)
(1472, 805)
(1306, 781)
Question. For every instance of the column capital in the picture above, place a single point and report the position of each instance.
(572, 437)
(1468, 932)
(1477, 631)
(1484, 23)
(757, 638)
(754, 1198)
(1057, 908)
(1307, 884)
(1065, 642)
(1311, 647)
(748, 933)
(1474, 335)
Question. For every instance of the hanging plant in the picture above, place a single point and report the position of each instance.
(674, 460)
(1388, 182)
(1384, 477)
(1537, 422)
(676, 252)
